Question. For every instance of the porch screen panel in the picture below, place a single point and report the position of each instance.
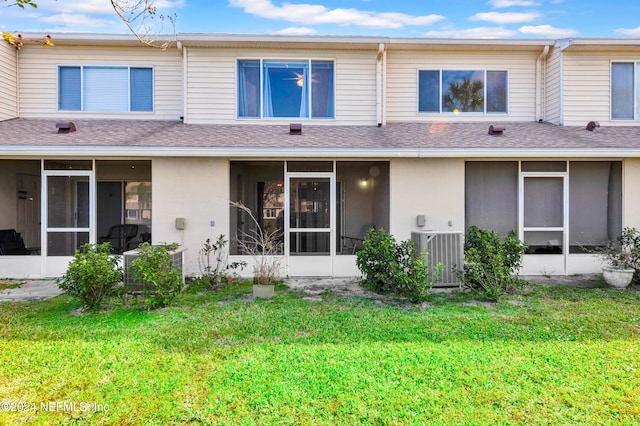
(491, 195)
(543, 202)
(595, 203)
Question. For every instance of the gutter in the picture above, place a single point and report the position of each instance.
(150, 152)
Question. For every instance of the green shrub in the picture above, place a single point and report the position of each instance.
(92, 275)
(214, 263)
(154, 267)
(389, 267)
(491, 263)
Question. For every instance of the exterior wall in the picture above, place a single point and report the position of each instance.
(39, 85)
(433, 187)
(587, 81)
(552, 88)
(402, 83)
(196, 189)
(631, 189)
(8, 82)
(211, 85)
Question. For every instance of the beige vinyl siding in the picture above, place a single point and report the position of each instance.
(402, 83)
(211, 85)
(8, 82)
(587, 92)
(553, 92)
(586, 89)
(39, 74)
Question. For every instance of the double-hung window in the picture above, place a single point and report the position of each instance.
(625, 91)
(285, 89)
(105, 88)
(462, 91)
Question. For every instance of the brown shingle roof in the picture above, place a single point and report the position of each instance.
(396, 136)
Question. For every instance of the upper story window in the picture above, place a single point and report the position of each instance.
(625, 91)
(479, 91)
(105, 89)
(286, 89)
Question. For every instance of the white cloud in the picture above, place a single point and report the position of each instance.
(505, 18)
(313, 14)
(76, 20)
(96, 7)
(478, 32)
(547, 31)
(296, 31)
(631, 32)
(499, 4)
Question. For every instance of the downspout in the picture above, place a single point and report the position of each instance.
(541, 83)
(18, 86)
(184, 52)
(379, 84)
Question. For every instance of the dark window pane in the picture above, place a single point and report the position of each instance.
(429, 91)
(463, 91)
(496, 91)
(285, 92)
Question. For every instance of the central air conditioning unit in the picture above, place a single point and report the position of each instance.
(446, 247)
(134, 286)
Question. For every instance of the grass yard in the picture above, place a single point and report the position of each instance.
(551, 355)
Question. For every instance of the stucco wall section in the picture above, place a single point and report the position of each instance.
(8, 82)
(433, 187)
(211, 85)
(402, 83)
(195, 189)
(630, 199)
(39, 79)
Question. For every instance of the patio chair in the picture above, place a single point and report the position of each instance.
(351, 244)
(124, 237)
(11, 243)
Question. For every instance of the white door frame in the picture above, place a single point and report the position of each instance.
(56, 265)
(534, 263)
(314, 264)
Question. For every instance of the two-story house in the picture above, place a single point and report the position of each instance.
(322, 137)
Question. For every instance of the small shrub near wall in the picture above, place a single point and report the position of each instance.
(154, 267)
(92, 276)
(389, 267)
(491, 263)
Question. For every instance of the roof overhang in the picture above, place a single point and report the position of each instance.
(601, 44)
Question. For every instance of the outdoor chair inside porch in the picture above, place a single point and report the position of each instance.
(352, 244)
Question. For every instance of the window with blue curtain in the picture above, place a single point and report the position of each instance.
(105, 88)
(286, 89)
(141, 89)
(69, 85)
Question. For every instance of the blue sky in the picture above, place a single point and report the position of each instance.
(417, 18)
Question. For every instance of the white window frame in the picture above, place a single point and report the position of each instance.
(278, 59)
(636, 84)
(441, 71)
(82, 94)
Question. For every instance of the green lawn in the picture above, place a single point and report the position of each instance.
(551, 355)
